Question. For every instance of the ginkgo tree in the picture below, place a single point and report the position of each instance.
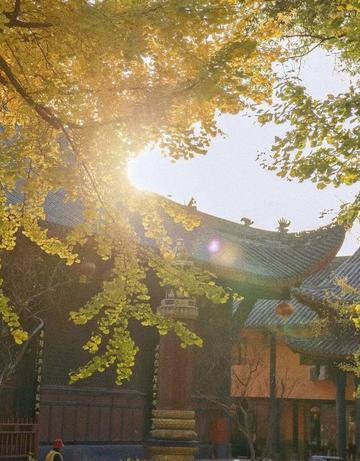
(84, 87)
(322, 140)
(321, 143)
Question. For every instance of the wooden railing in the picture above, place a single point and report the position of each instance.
(18, 438)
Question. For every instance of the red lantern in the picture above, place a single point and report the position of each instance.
(284, 309)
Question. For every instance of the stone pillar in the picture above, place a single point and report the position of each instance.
(173, 437)
(340, 413)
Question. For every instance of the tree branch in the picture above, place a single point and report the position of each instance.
(47, 290)
(309, 50)
(317, 37)
(28, 25)
(41, 110)
(321, 39)
(16, 11)
(11, 367)
(47, 115)
(14, 20)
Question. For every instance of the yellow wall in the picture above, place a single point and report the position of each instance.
(293, 379)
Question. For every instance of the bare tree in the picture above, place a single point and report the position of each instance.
(35, 283)
(252, 379)
(218, 364)
(240, 411)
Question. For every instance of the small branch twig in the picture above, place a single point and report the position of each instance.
(11, 367)
(309, 50)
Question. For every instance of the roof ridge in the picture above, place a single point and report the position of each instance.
(253, 230)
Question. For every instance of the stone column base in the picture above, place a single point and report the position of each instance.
(172, 453)
(172, 437)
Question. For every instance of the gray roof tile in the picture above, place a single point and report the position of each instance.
(327, 289)
(263, 315)
(250, 252)
(326, 346)
(316, 287)
(263, 254)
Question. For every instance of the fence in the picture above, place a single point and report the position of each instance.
(18, 438)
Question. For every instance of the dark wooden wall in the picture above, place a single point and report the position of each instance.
(91, 415)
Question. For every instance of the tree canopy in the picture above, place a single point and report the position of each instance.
(322, 141)
(84, 87)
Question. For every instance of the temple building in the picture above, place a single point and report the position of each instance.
(171, 403)
(313, 398)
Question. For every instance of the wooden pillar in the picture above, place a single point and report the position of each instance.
(295, 429)
(357, 417)
(273, 431)
(174, 374)
(340, 378)
(38, 379)
(172, 436)
(302, 430)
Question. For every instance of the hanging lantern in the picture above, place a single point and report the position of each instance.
(315, 410)
(284, 309)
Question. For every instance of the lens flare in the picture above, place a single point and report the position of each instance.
(222, 252)
(214, 246)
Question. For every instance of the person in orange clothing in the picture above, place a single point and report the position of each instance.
(219, 436)
(55, 453)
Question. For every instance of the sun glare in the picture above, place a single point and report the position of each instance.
(148, 172)
(132, 173)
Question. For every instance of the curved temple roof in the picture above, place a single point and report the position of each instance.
(239, 252)
(325, 346)
(233, 250)
(328, 287)
(263, 315)
(316, 289)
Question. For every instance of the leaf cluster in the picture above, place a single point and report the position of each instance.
(321, 143)
(84, 87)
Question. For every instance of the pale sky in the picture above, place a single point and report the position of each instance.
(228, 182)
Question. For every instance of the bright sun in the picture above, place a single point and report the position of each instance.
(132, 173)
(145, 171)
